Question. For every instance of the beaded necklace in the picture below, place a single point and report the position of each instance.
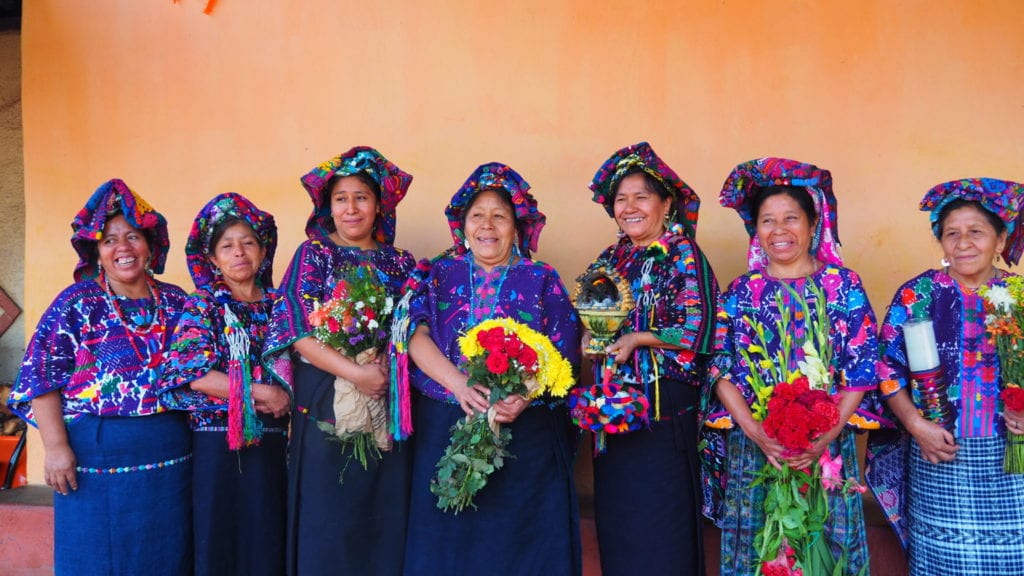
(472, 286)
(157, 319)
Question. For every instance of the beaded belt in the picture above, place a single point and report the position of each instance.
(139, 468)
(266, 430)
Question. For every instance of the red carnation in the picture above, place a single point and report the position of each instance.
(497, 362)
(1013, 398)
(333, 325)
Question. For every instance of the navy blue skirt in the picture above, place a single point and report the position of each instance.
(132, 511)
(647, 496)
(527, 518)
(238, 503)
(353, 528)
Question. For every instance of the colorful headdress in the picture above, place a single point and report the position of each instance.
(222, 207)
(393, 183)
(87, 227)
(744, 182)
(1000, 197)
(529, 220)
(685, 202)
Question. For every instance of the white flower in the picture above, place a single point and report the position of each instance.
(812, 367)
(372, 324)
(360, 305)
(1000, 298)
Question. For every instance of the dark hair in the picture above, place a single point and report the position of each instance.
(652, 184)
(798, 193)
(503, 195)
(325, 194)
(222, 227)
(954, 205)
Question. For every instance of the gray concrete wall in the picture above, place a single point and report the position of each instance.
(12, 200)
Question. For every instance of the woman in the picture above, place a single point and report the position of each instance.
(118, 460)
(647, 482)
(237, 412)
(789, 211)
(966, 516)
(356, 526)
(526, 520)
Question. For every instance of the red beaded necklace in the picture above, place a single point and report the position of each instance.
(157, 319)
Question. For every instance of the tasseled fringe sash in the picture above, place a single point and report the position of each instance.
(244, 426)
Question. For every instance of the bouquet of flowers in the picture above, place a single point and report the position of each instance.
(1003, 321)
(797, 408)
(508, 358)
(354, 321)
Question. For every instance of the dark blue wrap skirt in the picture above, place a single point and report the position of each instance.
(132, 512)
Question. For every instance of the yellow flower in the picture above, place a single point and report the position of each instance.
(554, 375)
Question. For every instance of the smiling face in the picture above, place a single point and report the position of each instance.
(124, 254)
(238, 254)
(784, 231)
(490, 228)
(639, 211)
(970, 243)
(354, 211)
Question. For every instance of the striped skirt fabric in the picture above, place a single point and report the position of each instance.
(966, 516)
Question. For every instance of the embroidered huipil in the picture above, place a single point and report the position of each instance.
(458, 295)
(968, 357)
(852, 320)
(82, 349)
(200, 345)
(667, 280)
(311, 278)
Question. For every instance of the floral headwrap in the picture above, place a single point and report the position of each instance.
(529, 220)
(1000, 197)
(393, 183)
(87, 227)
(744, 182)
(685, 202)
(222, 207)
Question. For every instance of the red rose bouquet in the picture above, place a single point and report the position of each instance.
(354, 321)
(508, 358)
(1003, 322)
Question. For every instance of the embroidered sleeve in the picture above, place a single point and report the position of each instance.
(194, 351)
(858, 360)
(561, 323)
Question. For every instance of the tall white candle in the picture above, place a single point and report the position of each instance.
(922, 353)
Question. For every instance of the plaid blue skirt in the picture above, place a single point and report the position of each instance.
(966, 516)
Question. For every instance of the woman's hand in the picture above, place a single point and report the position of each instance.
(506, 411)
(372, 380)
(271, 400)
(937, 444)
(585, 342)
(472, 399)
(772, 449)
(1014, 420)
(623, 347)
(59, 468)
(808, 457)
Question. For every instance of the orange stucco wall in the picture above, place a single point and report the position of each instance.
(891, 96)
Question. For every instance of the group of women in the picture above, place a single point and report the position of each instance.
(182, 433)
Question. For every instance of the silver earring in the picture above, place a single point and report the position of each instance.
(620, 234)
(944, 262)
(216, 271)
(466, 244)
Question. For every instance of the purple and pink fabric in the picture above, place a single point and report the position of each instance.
(1001, 197)
(217, 210)
(114, 196)
(640, 156)
(393, 183)
(747, 178)
(529, 220)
